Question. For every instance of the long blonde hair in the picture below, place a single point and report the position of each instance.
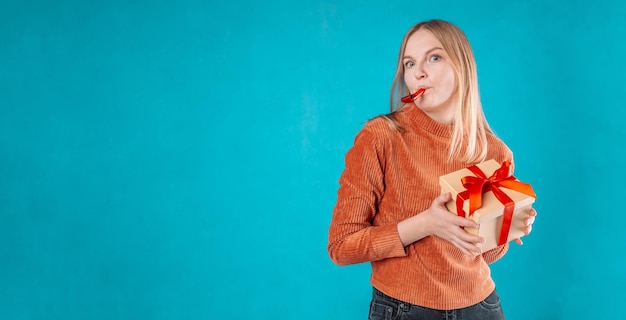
(469, 138)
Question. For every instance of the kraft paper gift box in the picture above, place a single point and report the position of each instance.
(488, 194)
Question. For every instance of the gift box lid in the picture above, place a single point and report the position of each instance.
(451, 182)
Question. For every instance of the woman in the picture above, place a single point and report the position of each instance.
(389, 209)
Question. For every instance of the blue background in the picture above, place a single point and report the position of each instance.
(179, 160)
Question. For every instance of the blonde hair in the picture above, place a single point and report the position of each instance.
(469, 138)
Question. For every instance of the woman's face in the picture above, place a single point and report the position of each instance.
(427, 65)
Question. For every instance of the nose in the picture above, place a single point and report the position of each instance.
(419, 72)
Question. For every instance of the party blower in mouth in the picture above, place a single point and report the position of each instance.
(410, 98)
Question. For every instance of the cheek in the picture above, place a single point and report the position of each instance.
(408, 80)
(450, 77)
(450, 80)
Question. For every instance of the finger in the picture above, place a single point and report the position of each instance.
(468, 237)
(528, 230)
(519, 241)
(442, 199)
(530, 221)
(533, 212)
(463, 222)
(471, 247)
(469, 223)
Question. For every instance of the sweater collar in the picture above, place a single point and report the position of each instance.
(421, 120)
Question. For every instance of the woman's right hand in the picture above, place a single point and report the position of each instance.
(440, 222)
(446, 225)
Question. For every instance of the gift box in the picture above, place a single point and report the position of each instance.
(491, 196)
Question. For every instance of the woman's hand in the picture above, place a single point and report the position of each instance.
(440, 222)
(529, 224)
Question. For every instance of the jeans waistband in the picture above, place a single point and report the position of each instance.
(383, 295)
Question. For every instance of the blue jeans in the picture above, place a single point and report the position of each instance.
(384, 307)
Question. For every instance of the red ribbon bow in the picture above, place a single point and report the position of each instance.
(477, 185)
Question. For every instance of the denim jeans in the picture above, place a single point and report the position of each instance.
(384, 307)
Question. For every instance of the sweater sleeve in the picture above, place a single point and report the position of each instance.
(352, 238)
(496, 253)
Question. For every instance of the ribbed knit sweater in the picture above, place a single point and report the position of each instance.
(390, 176)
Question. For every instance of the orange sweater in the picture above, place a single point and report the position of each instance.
(390, 176)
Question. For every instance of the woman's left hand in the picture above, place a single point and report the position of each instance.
(529, 224)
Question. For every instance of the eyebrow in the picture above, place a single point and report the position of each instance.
(427, 52)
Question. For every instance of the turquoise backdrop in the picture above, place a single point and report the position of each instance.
(180, 159)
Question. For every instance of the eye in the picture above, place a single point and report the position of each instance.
(435, 58)
(409, 64)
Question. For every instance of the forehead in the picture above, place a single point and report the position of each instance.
(420, 42)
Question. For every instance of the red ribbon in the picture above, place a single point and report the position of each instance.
(477, 185)
(411, 97)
